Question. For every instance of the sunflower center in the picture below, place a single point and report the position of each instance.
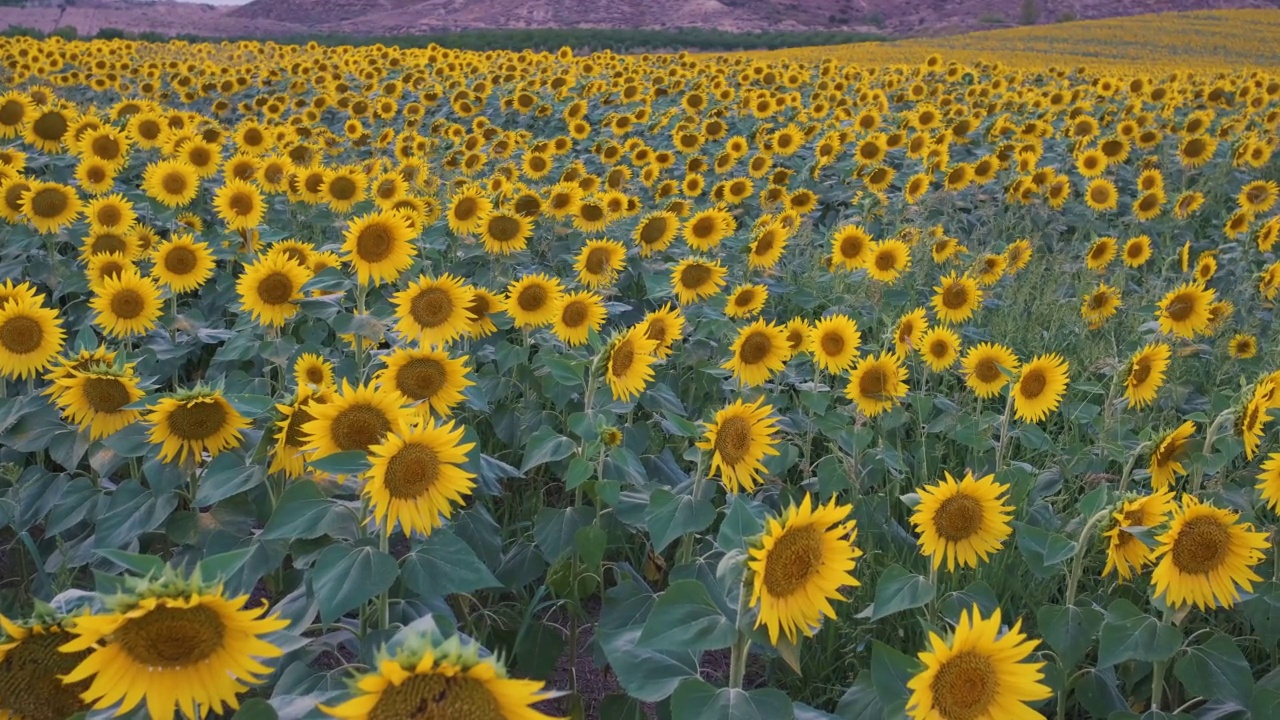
(832, 344)
(109, 216)
(127, 304)
(465, 209)
(106, 147)
(733, 440)
(437, 697)
(276, 289)
(621, 359)
(108, 243)
(105, 394)
(955, 297)
(575, 314)
(597, 261)
(532, 298)
(987, 370)
(1201, 546)
(958, 518)
(939, 348)
(884, 262)
(29, 684)
(1141, 372)
(964, 686)
(695, 276)
(293, 435)
(504, 229)
(1100, 194)
(1180, 308)
(50, 126)
(745, 298)
(374, 243)
(174, 184)
(421, 378)
(21, 335)
(169, 637)
(851, 247)
(198, 420)
(873, 383)
(703, 228)
(48, 203)
(412, 471)
(342, 188)
(591, 212)
(794, 558)
(1033, 384)
(180, 260)
(11, 113)
(755, 348)
(1099, 252)
(359, 426)
(431, 307)
(653, 231)
(315, 375)
(241, 204)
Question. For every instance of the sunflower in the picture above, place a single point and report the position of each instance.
(1099, 305)
(1039, 389)
(746, 301)
(31, 337)
(430, 377)
(96, 399)
(851, 247)
(343, 188)
(1100, 195)
(599, 262)
(48, 129)
(834, 340)
(1206, 267)
(962, 521)
(239, 204)
(577, 314)
(1206, 556)
(759, 351)
(312, 370)
(1187, 204)
(799, 334)
(1269, 481)
(126, 305)
(531, 301)
(888, 260)
(287, 456)
(917, 187)
(173, 644)
(1137, 251)
(940, 348)
(988, 367)
(1126, 553)
(16, 108)
(628, 363)
(956, 298)
(171, 183)
(1017, 255)
(467, 211)
(708, 228)
(767, 246)
(417, 479)
(448, 678)
(1196, 150)
(1252, 419)
(182, 264)
(1101, 253)
(433, 311)
(504, 232)
(799, 564)
(663, 326)
(695, 278)
(379, 245)
(32, 666)
(876, 383)
(1258, 196)
(655, 232)
(907, 333)
(1146, 373)
(1243, 346)
(110, 213)
(192, 422)
(50, 206)
(270, 288)
(1167, 455)
(978, 675)
(482, 305)
(355, 419)
(1184, 311)
(741, 436)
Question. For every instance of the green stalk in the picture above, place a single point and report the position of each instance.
(384, 598)
(685, 553)
(1211, 435)
(738, 653)
(1128, 468)
(1004, 431)
(1073, 581)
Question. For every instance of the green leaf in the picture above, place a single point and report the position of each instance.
(220, 567)
(1216, 669)
(544, 446)
(1128, 634)
(646, 675)
(669, 516)
(861, 701)
(890, 672)
(301, 513)
(1263, 612)
(686, 618)
(696, 699)
(1043, 550)
(255, 709)
(141, 564)
(351, 462)
(442, 564)
(579, 472)
(344, 577)
(227, 475)
(590, 543)
(744, 519)
(621, 707)
(1070, 631)
(554, 528)
(898, 590)
(562, 370)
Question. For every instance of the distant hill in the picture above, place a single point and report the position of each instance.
(281, 18)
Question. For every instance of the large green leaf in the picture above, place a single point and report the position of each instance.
(1070, 631)
(686, 618)
(647, 675)
(344, 577)
(544, 446)
(890, 672)
(1043, 550)
(898, 590)
(1216, 669)
(696, 699)
(1129, 634)
(669, 516)
(554, 529)
(1263, 612)
(301, 513)
(442, 564)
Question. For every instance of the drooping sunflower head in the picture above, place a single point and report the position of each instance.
(798, 565)
(962, 522)
(31, 668)
(740, 438)
(447, 676)
(193, 422)
(1126, 552)
(1206, 556)
(1168, 453)
(628, 362)
(664, 327)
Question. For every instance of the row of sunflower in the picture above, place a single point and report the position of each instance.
(937, 390)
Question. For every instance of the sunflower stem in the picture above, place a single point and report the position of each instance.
(1210, 436)
(361, 290)
(384, 598)
(685, 554)
(1004, 431)
(738, 653)
(1157, 670)
(1128, 467)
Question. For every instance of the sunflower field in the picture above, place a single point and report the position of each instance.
(366, 382)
